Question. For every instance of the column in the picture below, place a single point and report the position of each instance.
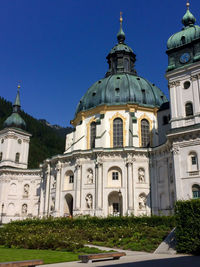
(99, 186)
(130, 186)
(47, 189)
(78, 187)
(58, 182)
(41, 197)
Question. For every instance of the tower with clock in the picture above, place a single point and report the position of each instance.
(183, 74)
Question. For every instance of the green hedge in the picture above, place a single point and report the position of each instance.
(136, 233)
(187, 214)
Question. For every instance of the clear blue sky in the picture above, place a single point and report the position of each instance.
(58, 48)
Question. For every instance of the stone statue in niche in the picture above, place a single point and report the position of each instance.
(54, 182)
(26, 190)
(141, 175)
(24, 209)
(89, 201)
(142, 201)
(90, 177)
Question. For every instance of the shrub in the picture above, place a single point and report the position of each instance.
(71, 234)
(187, 214)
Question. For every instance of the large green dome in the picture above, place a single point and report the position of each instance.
(121, 84)
(121, 89)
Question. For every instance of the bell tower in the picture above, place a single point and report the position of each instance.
(14, 140)
(183, 75)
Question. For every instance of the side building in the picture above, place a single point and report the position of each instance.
(19, 187)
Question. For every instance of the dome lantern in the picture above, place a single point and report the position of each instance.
(121, 58)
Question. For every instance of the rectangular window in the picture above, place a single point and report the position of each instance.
(71, 179)
(194, 160)
(115, 176)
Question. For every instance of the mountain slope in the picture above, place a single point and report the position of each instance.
(47, 140)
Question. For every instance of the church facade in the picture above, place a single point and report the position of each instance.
(130, 152)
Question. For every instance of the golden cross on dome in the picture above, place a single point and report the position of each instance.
(121, 19)
(188, 4)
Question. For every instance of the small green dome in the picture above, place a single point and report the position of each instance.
(15, 120)
(122, 89)
(189, 33)
(188, 18)
(186, 36)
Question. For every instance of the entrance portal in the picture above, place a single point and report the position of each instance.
(115, 203)
(68, 207)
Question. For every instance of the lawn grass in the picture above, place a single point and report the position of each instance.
(48, 256)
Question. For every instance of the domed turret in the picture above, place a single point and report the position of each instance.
(183, 46)
(189, 32)
(15, 120)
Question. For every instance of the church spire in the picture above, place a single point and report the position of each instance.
(15, 120)
(121, 35)
(17, 105)
(188, 19)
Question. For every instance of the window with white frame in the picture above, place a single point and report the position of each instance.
(192, 162)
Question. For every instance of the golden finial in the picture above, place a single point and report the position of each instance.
(18, 86)
(188, 5)
(121, 19)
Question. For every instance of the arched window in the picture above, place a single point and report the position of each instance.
(92, 134)
(117, 132)
(196, 191)
(145, 134)
(17, 157)
(189, 109)
(1, 156)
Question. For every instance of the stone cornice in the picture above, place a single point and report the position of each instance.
(35, 172)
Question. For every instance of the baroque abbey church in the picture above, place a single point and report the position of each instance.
(131, 151)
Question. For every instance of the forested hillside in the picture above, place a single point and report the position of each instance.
(46, 140)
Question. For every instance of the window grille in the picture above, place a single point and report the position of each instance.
(92, 134)
(115, 176)
(117, 132)
(189, 109)
(17, 157)
(145, 134)
(194, 160)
